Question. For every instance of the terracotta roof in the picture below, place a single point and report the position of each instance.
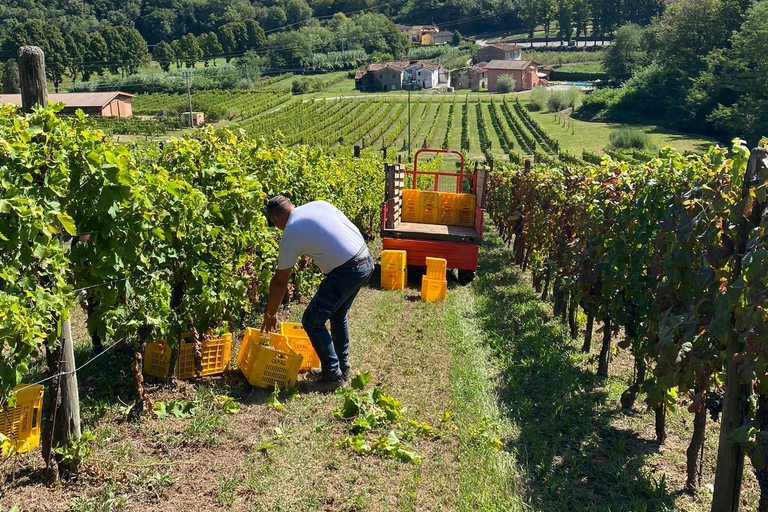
(393, 64)
(398, 65)
(444, 33)
(506, 46)
(360, 73)
(509, 64)
(73, 99)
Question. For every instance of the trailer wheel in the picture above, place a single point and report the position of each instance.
(466, 276)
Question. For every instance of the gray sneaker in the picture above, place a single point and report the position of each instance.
(346, 372)
(324, 384)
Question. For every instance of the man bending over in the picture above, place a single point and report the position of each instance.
(319, 230)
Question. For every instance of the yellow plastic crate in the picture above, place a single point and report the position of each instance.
(450, 206)
(393, 259)
(214, 359)
(466, 210)
(268, 366)
(436, 268)
(433, 289)
(299, 341)
(394, 279)
(394, 271)
(157, 359)
(21, 424)
(411, 208)
(429, 203)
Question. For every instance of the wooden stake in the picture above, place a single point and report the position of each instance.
(34, 89)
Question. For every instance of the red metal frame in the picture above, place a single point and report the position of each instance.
(459, 177)
(458, 255)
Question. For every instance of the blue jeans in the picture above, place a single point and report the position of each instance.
(331, 302)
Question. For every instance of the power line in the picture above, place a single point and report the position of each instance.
(62, 374)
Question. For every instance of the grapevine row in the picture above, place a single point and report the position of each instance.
(673, 254)
(482, 129)
(527, 143)
(498, 124)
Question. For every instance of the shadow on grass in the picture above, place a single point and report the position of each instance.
(571, 455)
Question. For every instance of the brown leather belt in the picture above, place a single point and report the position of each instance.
(354, 262)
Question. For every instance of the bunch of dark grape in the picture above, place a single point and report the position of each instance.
(762, 479)
(715, 404)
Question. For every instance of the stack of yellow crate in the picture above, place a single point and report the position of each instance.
(411, 205)
(466, 210)
(434, 284)
(450, 206)
(394, 272)
(430, 207)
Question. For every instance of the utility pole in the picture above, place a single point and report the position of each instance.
(189, 98)
(63, 415)
(409, 114)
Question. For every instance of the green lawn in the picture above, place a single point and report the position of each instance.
(575, 135)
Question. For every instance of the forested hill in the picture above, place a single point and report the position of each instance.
(165, 20)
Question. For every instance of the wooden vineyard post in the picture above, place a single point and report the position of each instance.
(32, 78)
(63, 416)
(730, 456)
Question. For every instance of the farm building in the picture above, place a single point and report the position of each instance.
(474, 77)
(525, 73)
(424, 75)
(432, 38)
(416, 33)
(500, 51)
(395, 75)
(106, 104)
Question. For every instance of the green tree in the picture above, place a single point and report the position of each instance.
(297, 11)
(95, 56)
(134, 50)
(56, 55)
(627, 54)
(77, 48)
(456, 39)
(190, 50)
(239, 36)
(256, 38)
(529, 15)
(250, 65)
(289, 49)
(580, 17)
(505, 84)
(10, 78)
(115, 48)
(209, 44)
(732, 93)
(176, 47)
(565, 19)
(164, 55)
(157, 25)
(689, 30)
(227, 41)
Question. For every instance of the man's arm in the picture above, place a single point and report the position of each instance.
(277, 288)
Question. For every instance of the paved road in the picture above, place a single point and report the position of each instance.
(551, 44)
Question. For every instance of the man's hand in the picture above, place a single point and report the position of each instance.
(277, 288)
(269, 324)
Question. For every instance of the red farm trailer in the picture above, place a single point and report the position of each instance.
(457, 244)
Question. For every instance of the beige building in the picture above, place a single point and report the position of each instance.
(106, 104)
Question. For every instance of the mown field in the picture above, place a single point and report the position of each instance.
(381, 120)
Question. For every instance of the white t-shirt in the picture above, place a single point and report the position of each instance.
(319, 230)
